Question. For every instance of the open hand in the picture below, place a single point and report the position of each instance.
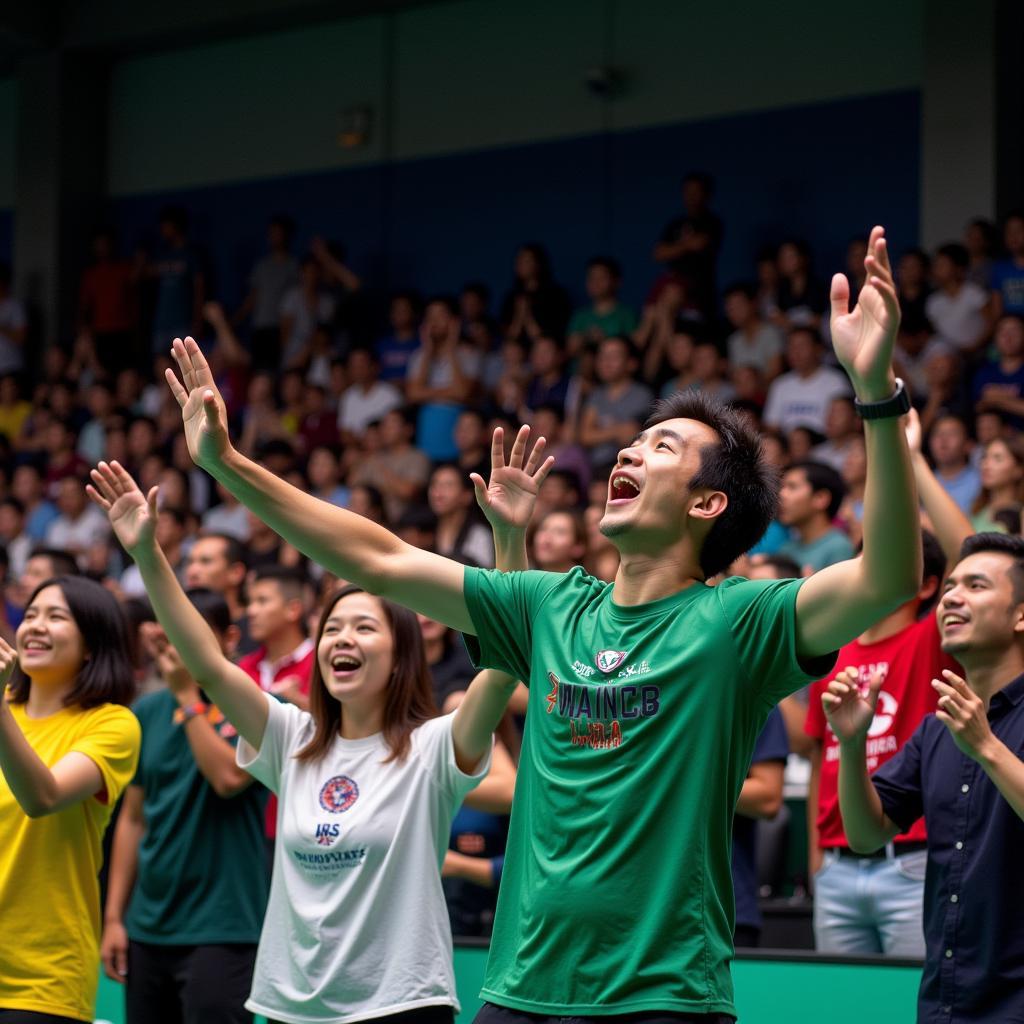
(849, 708)
(202, 408)
(863, 338)
(508, 498)
(131, 513)
(963, 713)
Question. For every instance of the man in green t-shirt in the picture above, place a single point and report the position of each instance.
(188, 881)
(647, 694)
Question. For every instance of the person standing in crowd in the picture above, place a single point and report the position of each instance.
(536, 304)
(180, 281)
(395, 349)
(273, 276)
(753, 342)
(1000, 385)
(874, 904)
(217, 562)
(108, 303)
(459, 533)
(1007, 279)
(962, 771)
(948, 447)
(809, 501)
(959, 311)
(180, 928)
(688, 495)
(800, 397)
(68, 748)
(356, 926)
(606, 316)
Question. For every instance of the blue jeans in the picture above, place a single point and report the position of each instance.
(870, 905)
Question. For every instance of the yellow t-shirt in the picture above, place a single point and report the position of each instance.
(49, 893)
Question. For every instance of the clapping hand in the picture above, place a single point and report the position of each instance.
(850, 708)
(508, 498)
(964, 714)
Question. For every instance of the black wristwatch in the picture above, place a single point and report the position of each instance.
(897, 405)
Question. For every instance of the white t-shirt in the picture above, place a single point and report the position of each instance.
(358, 408)
(795, 401)
(957, 319)
(356, 926)
(758, 351)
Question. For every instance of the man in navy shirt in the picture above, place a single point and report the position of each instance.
(962, 770)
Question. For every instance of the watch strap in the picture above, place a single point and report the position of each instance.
(897, 404)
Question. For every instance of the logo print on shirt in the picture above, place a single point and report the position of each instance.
(552, 697)
(338, 794)
(327, 832)
(609, 661)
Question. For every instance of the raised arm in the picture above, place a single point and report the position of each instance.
(350, 546)
(133, 518)
(840, 602)
(507, 500)
(951, 526)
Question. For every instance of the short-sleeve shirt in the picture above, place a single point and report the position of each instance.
(1008, 279)
(958, 318)
(910, 660)
(759, 351)
(831, 547)
(973, 899)
(616, 895)
(356, 926)
(183, 895)
(49, 893)
(795, 401)
(618, 322)
(633, 404)
(1013, 383)
(772, 745)
(270, 281)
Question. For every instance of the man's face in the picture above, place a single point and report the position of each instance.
(438, 322)
(802, 352)
(360, 367)
(392, 430)
(948, 443)
(11, 522)
(169, 532)
(1013, 235)
(649, 496)
(796, 498)
(943, 270)
(544, 356)
(841, 419)
(1010, 337)
(612, 362)
(71, 498)
(600, 283)
(37, 569)
(979, 611)
(208, 566)
(469, 433)
(738, 308)
(268, 611)
(402, 315)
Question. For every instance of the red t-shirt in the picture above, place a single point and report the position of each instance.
(298, 663)
(911, 659)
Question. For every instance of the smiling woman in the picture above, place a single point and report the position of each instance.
(68, 747)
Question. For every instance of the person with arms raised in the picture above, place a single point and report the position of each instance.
(654, 670)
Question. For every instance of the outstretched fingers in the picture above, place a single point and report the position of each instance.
(839, 295)
(180, 394)
(498, 449)
(181, 357)
(534, 461)
(201, 372)
(519, 447)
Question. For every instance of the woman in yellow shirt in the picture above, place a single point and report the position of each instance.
(68, 748)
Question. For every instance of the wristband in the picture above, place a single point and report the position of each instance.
(188, 712)
(898, 404)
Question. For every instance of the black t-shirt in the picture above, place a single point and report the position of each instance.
(697, 267)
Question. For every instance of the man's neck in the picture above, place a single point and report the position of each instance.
(950, 469)
(281, 644)
(617, 387)
(814, 529)
(752, 326)
(808, 373)
(605, 305)
(643, 578)
(952, 288)
(994, 672)
(1011, 364)
(891, 624)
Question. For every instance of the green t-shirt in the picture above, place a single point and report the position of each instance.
(202, 876)
(828, 549)
(619, 322)
(616, 895)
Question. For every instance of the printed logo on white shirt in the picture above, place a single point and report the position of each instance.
(338, 794)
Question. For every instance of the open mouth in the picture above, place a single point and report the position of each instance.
(343, 665)
(952, 620)
(622, 488)
(36, 645)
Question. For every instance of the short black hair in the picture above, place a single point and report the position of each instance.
(734, 465)
(812, 332)
(447, 301)
(609, 263)
(292, 582)
(13, 503)
(785, 567)
(212, 606)
(746, 288)
(570, 478)
(935, 565)
(553, 408)
(1002, 544)
(107, 676)
(417, 517)
(479, 289)
(956, 253)
(822, 477)
(62, 563)
(234, 550)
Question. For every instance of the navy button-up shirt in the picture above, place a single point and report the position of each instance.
(974, 887)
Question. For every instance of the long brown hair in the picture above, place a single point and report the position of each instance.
(1015, 446)
(408, 699)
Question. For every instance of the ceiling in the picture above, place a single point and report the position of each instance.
(119, 27)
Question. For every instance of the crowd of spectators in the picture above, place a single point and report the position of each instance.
(390, 419)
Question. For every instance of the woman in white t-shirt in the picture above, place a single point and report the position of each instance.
(368, 783)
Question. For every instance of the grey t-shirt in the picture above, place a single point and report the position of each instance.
(270, 280)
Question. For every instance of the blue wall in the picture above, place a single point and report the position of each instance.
(825, 172)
